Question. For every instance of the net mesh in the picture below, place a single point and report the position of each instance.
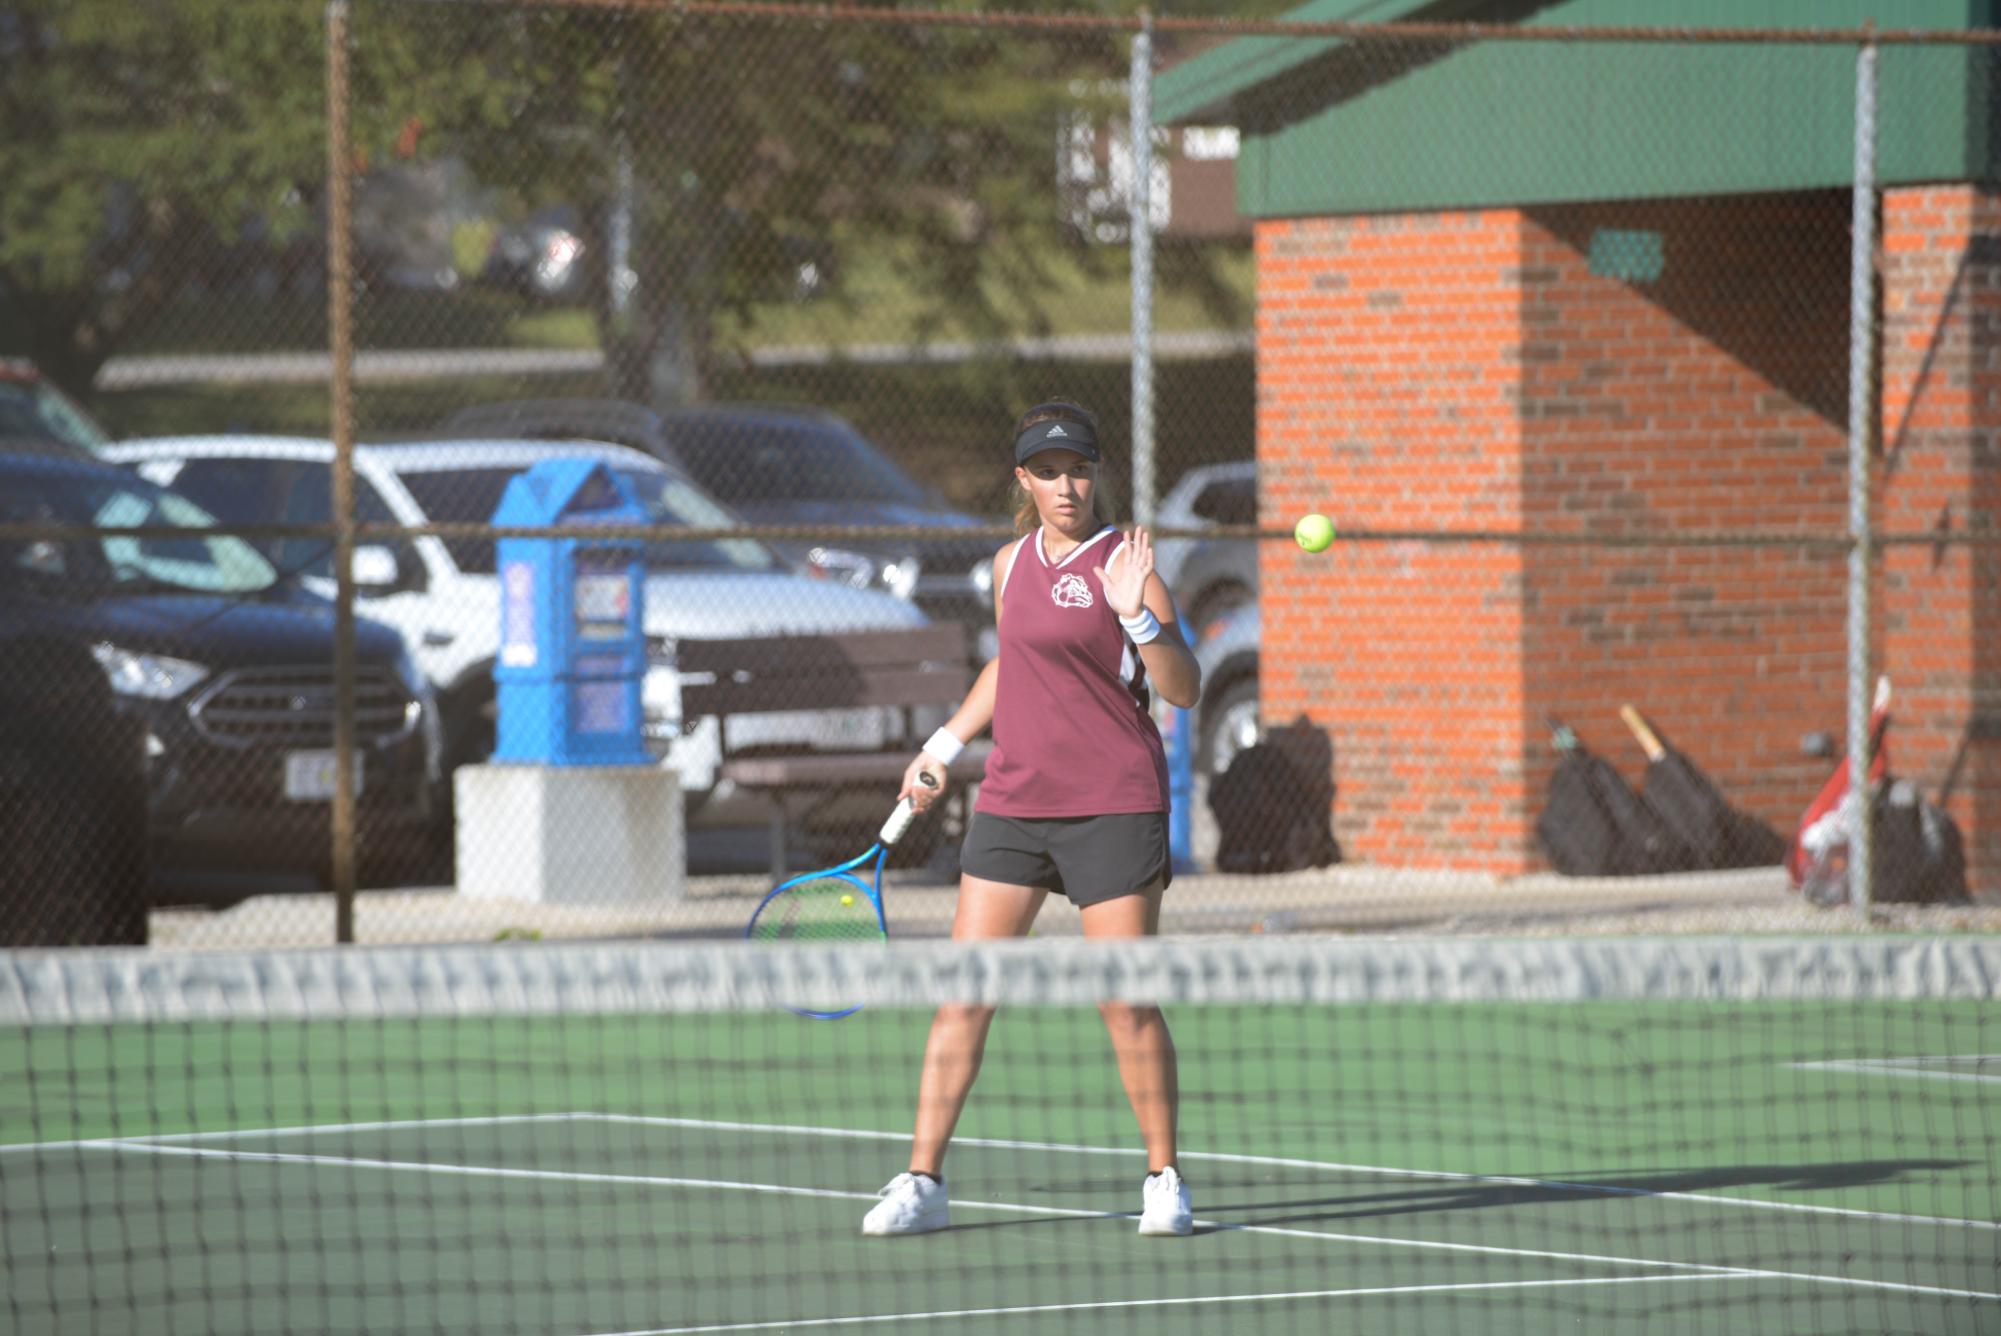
(1672, 1134)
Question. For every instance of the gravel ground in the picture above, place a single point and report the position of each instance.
(1343, 899)
(1348, 898)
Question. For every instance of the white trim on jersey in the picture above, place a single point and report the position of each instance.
(1130, 672)
(1074, 552)
(1011, 557)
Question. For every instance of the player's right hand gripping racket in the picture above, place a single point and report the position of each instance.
(835, 904)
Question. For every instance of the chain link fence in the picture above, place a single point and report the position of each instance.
(1555, 326)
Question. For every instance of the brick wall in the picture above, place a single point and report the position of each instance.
(1388, 374)
(1470, 372)
(1710, 397)
(1940, 607)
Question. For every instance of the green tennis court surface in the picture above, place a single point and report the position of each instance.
(1659, 1165)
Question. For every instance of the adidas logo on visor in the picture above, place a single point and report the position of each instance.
(1057, 430)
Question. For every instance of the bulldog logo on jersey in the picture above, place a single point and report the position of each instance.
(1070, 591)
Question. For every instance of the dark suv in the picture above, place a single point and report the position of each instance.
(777, 465)
(227, 666)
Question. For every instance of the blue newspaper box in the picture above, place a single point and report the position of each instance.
(572, 647)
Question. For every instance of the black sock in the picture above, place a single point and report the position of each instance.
(919, 1173)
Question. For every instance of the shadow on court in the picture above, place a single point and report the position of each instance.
(1555, 1189)
(1562, 1188)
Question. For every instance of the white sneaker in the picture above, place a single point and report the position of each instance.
(910, 1205)
(1165, 1205)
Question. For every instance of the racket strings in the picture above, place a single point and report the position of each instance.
(825, 907)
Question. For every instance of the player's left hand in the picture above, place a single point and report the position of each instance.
(1124, 576)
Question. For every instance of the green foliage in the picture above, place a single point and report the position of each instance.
(138, 142)
(470, 241)
(145, 146)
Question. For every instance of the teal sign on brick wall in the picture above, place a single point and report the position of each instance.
(1629, 256)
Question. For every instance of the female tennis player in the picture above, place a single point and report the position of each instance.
(1075, 797)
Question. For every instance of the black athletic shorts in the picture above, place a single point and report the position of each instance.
(1088, 858)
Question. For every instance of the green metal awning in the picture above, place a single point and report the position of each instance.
(1206, 88)
(1334, 126)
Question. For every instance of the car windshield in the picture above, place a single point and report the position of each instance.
(36, 410)
(759, 461)
(199, 562)
(471, 495)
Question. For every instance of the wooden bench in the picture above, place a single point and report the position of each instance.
(902, 669)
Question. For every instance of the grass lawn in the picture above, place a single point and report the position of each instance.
(926, 415)
(877, 303)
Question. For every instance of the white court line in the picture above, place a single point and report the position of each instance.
(780, 1189)
(790, 1324)
(1224, 1157)
(1903, 1067)
(313, 1129)
(1216, 1157)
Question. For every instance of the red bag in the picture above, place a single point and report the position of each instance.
(1821, 828)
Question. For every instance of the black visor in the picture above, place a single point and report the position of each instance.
(1056, 435)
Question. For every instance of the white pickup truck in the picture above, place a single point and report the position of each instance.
(444, 594)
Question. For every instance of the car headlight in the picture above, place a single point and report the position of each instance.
(151, 676)
(861, 571)
(900, 577)
(850, 568)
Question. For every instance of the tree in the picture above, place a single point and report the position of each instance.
(760, 149)
(738, 153)
(138, 140)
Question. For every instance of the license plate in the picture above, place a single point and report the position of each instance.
(309, 776)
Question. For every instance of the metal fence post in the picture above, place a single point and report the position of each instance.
(340, 335)
(1861, 379)
(1180, 724)
(1140, 97)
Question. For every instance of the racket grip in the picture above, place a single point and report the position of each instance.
(899, 821)
(905, 813)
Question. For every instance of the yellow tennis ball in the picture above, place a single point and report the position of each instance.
(1314, 532)
(847, 900)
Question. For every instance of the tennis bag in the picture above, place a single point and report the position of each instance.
(1917, 853)
(1274, 806)
(1594, 825)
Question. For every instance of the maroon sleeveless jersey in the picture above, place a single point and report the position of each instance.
(1072, 736)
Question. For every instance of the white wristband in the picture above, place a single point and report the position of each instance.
(943, 747)
(1143, 627)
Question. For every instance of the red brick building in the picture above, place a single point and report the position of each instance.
(1551, 289)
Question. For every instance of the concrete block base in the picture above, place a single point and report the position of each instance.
(571, 835)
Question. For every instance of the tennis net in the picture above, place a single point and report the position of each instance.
(1662, 1134)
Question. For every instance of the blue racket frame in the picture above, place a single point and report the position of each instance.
(844, 872)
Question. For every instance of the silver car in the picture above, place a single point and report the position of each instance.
(444, 594)
(1209, 576)
(1227, 719)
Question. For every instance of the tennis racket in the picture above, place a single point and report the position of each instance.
(835, 904)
